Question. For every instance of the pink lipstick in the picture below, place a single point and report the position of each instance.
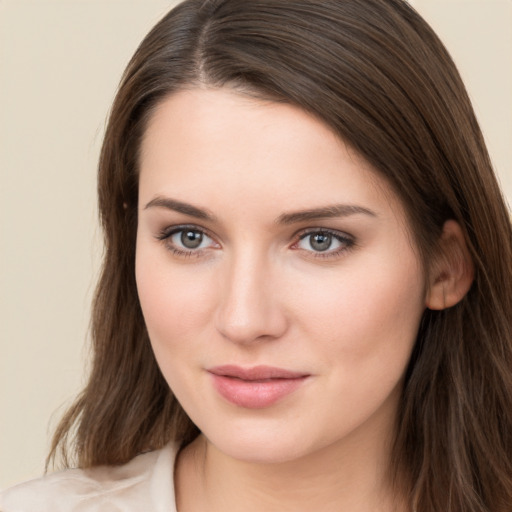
(257, 387)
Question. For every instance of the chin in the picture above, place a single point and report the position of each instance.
(255, 453)
(260, 445)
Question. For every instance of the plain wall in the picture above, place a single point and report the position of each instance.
(60, 62)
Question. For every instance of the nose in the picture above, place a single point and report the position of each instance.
(250, 309)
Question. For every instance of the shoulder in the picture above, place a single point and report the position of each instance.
(145, 483)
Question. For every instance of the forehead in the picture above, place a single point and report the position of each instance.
(204, 144)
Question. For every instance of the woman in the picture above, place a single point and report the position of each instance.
(306, 243)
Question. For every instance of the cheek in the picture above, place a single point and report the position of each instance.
(367, 316)
(176, 305)
(176, 308)
(364, 327)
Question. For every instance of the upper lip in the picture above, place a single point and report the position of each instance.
(255, 372)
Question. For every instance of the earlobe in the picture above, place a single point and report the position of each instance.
(452, 271)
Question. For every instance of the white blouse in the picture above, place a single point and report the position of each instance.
(145, 484)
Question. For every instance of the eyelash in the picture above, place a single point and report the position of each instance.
(165, 235)
(347, 241)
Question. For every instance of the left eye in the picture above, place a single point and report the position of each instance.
(323, 241)
(189, 239)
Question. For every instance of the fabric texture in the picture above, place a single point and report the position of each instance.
(145, 484)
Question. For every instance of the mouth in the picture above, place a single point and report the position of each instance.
(257, 387)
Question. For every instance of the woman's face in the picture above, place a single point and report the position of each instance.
(281, 290)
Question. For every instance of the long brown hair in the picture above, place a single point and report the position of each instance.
(376, 73)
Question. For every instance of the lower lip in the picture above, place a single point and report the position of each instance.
(255, 394)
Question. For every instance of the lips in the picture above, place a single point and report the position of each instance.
(257, 387)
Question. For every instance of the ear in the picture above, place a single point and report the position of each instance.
(452, 272)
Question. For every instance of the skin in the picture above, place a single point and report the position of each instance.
(257, 292)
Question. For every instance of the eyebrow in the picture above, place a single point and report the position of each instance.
(337, 210)
(180, 207)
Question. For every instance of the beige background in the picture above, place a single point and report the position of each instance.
(60, 61)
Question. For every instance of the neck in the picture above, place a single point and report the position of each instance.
(350, 476)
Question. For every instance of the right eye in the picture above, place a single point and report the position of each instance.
(324, 243)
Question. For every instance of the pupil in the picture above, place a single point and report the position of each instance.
(191, 239)
(321, 241)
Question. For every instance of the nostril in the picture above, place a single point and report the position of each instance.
(248, 308)
(250, 322)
